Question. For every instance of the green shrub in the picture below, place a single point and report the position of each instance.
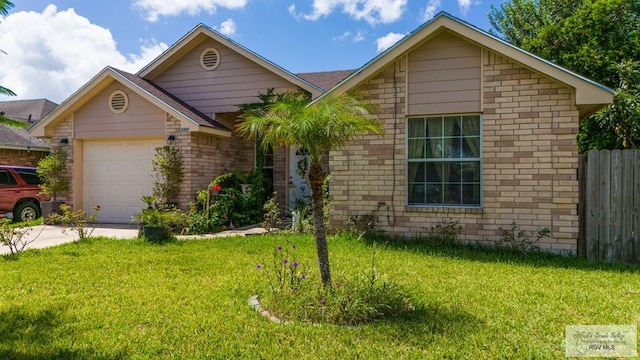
(521, 240)
(445, 231)
(80, 221)
(293, 295)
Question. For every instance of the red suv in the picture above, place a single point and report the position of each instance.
(20, 193)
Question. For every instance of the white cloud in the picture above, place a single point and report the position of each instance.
(153, 9)
(53, 53)
(344, 35)
(357, 37)
(372, 11)
(388, 40)
(228, 27)
(465, 5)
(432, 7)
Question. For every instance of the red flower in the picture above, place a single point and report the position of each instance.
(96, 208)
(216, 187)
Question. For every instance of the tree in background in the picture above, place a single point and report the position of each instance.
(319, 127)
(599, 39)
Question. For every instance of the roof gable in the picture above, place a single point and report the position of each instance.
(189, 117)
(200, 34)
(590, 96)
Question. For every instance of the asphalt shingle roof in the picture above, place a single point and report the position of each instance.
(325, 80)
(31, 111)
(172, 101)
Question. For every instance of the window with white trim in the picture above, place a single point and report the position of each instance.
(444, 160)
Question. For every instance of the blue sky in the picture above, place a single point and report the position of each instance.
(54, 47)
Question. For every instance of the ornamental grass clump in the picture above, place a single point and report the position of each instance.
(293, 294)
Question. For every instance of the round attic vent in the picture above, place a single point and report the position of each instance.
(210, 59)
(118, 101)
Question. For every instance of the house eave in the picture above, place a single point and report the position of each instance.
(588, 92)
(201, 33)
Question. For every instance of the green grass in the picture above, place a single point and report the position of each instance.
(127, 299)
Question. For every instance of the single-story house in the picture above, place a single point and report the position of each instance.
(476, 129)
(17, 147)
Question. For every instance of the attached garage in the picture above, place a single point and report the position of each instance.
(116, 174)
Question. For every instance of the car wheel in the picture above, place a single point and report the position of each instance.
(26, 211)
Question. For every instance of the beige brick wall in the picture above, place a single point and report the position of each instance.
(207, 156)
(21, 157)
(530, 157)
(65, 130)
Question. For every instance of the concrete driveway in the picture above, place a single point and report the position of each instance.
(50, 235)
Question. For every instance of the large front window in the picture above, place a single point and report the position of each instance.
(444, 160)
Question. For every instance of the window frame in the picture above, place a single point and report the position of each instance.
(427, 160)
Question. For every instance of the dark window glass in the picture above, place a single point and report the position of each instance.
(30, 177)
(444, 158)
(6, 179)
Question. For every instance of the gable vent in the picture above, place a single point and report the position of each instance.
(118, 101)
(210, 59)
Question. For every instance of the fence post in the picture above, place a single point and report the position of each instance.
(582, 206)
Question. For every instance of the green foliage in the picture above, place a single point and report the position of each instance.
(15, 238)
(224, 205)
(78, 221)
(170, 220)
(326, 124)
(595, 38)
(292, 295)
(271, 217)
(445, 231)
(149, 200)
(15, 123)
(115, 299)
(197, 222)
(364, 224)
(5, 6)
(521, 240)
(52, 169)
(168, 171)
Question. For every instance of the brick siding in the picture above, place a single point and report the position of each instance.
(21, 157)
(529, 162)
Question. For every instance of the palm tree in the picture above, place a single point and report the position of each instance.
(321, 126)
(5, 5)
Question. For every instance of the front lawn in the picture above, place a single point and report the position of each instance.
(127, 299)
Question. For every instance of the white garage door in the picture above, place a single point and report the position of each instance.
(116, 175)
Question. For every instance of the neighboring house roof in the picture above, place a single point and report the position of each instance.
(188, 116)
(14, 138)
(201, 33)
(31, 111)
(590, 96)
(325, 80)
(34, 110)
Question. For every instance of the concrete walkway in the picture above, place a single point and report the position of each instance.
(52, 235)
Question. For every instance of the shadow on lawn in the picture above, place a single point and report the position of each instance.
(26, 335)
(427, 325)
(483, 253)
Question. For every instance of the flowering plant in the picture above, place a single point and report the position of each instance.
(216, 187)
(285, 273)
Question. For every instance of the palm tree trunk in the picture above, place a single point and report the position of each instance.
(316, 178)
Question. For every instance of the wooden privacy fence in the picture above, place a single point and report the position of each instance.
(609, 205)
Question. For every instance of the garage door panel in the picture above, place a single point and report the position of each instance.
(116, 175)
